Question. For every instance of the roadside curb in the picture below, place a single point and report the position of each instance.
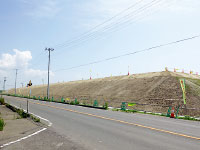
(30, 135)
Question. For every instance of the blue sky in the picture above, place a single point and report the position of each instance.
(28, 26)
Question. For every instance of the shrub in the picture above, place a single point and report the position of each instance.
(35, 118)
(2, 124)
(2, 102)
(163, 114)
(19, 111)
(22, 113)
(105, 105)
(115, 109)
(77, 103)
(72, 103)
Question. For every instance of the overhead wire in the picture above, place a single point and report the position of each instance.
(106, 29)
(132, 53)
(88, 36)
(95, 27)
(127, 23)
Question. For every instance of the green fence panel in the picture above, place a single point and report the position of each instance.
(123, 106)
(95, 103)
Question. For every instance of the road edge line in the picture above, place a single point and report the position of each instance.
(37, 132)
(30, 135)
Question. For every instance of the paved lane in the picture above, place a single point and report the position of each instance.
(100, 129)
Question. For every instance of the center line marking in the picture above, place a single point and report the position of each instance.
(124, 122)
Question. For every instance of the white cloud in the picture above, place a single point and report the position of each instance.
(18, 60)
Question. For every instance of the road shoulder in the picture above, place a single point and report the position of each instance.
(16, 127)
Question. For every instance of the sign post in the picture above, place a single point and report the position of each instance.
(29, 85)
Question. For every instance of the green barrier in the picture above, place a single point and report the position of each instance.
(52, 99)
(177, 110)
(62, 100)
(123, 106)
(169, 112)
(95, 103)
(45, 98)
(76, 102)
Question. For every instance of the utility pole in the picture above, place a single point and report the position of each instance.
(16, 82)
(48, 49)
(4, 84)
(43, 86)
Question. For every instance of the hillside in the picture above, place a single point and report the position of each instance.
(151, 91)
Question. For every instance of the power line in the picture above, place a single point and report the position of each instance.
(132, 53)
(86, 36)
(128, 22)
(111, 26)
(95, 27)
(100, 33)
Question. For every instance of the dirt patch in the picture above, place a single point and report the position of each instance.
(15, 128)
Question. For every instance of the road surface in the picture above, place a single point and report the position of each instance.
(96, 129)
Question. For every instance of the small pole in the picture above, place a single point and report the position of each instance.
(4, 84)
(27, 105)
(16, 82)
(29, 85)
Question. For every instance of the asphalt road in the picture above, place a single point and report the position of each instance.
(96, 129)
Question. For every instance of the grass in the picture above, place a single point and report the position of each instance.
(2, 124)
(127, 111)
(2, 102)
(105, 106)
(188, 118)
(72, 103)
(196, 81)
(19, 111)
(22, 114)
(35, 119)
(157, 114)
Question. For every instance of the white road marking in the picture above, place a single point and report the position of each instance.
(22, 138)
(37, 132)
